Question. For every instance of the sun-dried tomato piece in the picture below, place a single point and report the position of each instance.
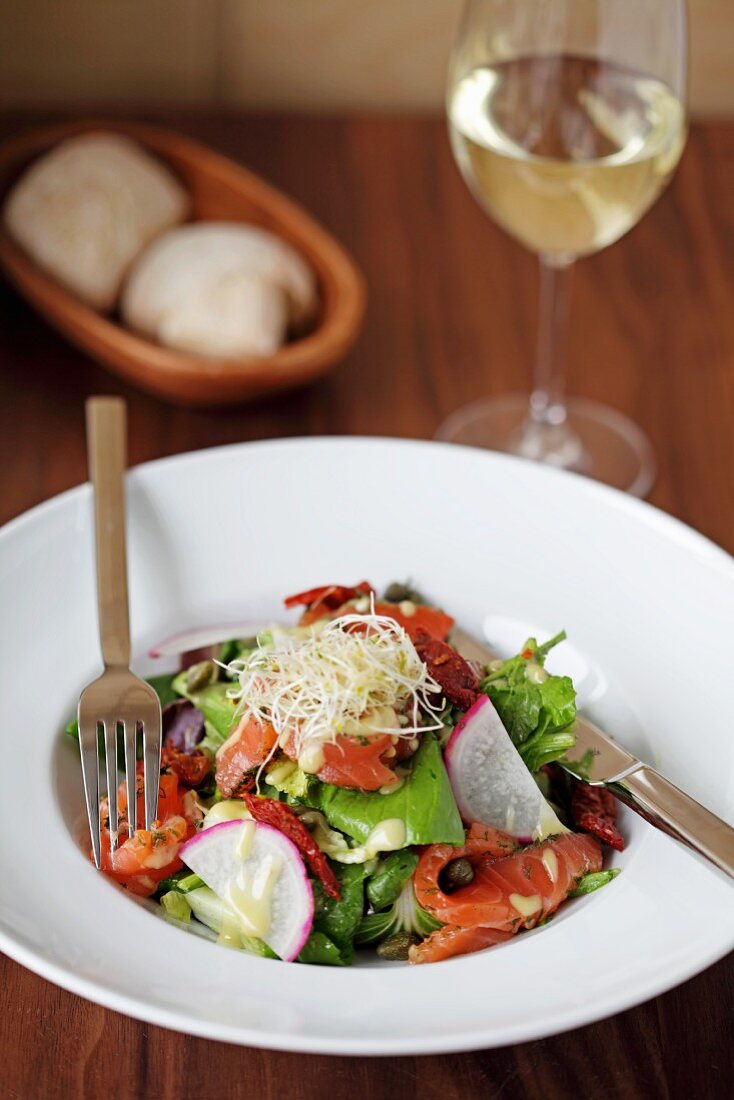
(330, 595)
(192, 768)
(594, 809)
(455, 676)
(282, 817)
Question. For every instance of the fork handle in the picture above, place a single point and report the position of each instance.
(676, 813)
(106, 448)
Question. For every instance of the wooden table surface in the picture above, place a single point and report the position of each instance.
(451, 317)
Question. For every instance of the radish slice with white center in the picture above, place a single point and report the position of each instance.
(259, 873)
(489, 778)
(203, 636)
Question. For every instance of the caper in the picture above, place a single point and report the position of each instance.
(457, 873)
(201, 675)
(397, 946)
(397, 592)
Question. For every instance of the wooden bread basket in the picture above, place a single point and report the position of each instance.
(221, 190)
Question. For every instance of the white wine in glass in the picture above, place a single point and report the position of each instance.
(566, 120)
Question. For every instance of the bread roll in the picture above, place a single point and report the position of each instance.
(221, 284)
(85, 210)
(237, 315)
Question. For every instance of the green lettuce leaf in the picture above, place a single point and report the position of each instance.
(404, 915)
(295, 786)
(581, 767)
(181, 882)
(176, 906)
(537, 713)
(322, 951)
(331, 942)
(424, 802)
(389, 878)
(594, 881)
(340, 919)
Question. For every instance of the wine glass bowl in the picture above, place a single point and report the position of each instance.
(566, 120)
(564, 152)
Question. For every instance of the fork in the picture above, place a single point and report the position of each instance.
(117, 698)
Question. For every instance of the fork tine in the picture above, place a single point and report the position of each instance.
(90, 774)
(130, 734)
(152, 759)
(110, 733)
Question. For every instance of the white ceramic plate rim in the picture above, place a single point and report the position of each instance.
(138, 1009)
(103, 994)
(655, 517)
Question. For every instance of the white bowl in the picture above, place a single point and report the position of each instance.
(501, 543)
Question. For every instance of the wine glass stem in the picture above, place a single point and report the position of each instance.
(547, 401)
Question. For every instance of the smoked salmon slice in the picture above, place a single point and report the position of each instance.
(512, 888)
(450, 940)
(243, 751)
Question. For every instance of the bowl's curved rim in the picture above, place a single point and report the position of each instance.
(578, 1016)
(482, 1038)
(652, 515)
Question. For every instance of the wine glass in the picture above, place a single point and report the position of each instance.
(567, 120)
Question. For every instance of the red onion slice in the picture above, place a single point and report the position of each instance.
(201, 637)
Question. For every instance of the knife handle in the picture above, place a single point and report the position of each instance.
(676, 813)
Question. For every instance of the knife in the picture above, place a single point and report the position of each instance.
(633, 782)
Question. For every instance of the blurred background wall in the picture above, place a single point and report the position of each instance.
(326, 55)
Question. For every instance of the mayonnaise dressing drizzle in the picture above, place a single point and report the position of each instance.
(550, 862)
(230, 809)
(527, 906)
(250, 895)
(387, 836)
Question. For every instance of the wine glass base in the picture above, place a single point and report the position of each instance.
(594, 439)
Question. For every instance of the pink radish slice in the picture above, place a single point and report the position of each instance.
(214, 855)
(203, 636)
(489, 778)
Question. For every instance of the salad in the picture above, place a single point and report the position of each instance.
(351, 781)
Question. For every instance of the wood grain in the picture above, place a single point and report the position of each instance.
(451, 316)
